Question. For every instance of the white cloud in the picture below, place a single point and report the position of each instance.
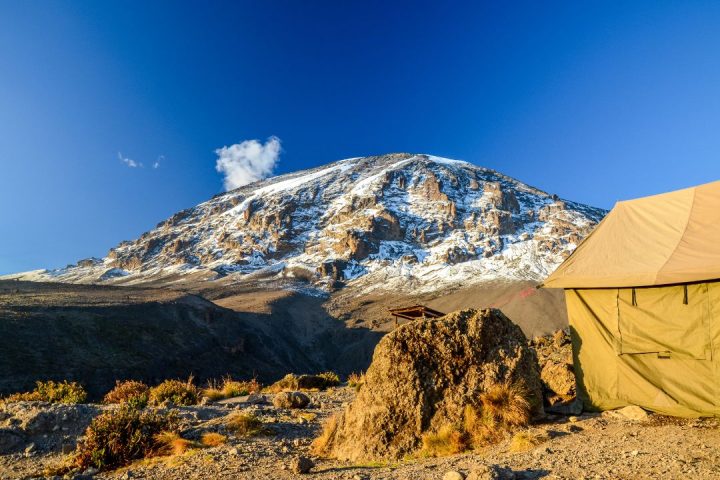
(247, 162)
(161, 158)
(129, 161)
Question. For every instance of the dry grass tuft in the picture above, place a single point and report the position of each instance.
(244, 424)
(449, 440)
(171, 443)
(229, 388)
(321, 445)
(356, 380)
(481, 428)
(508, 404)
(212, 439)
(524, 441)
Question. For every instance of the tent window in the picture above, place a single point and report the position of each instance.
(665, 320)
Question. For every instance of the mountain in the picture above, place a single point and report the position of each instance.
(399, 221)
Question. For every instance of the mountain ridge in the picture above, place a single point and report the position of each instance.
(407, 221)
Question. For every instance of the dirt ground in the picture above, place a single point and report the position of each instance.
(590, 446)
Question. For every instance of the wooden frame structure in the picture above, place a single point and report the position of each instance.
(414, 313)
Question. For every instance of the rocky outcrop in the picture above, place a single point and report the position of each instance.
(555, 360)
(424, 374)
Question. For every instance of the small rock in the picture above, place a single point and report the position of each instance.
(90, 471)
(301, 464)
(453, 475)
(234, 451)
(631, 412)
(256, 398)
(573, 419)
(291, 400)
(67, 448)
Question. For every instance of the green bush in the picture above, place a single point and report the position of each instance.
(175, 391)
(135, 394)
(52, 392)
(118, 437)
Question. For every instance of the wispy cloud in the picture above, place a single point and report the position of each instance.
(129, 161)
(156, 165)
(247, 161)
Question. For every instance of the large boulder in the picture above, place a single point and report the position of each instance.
(422, 377)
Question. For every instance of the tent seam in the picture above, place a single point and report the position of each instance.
(687, 224)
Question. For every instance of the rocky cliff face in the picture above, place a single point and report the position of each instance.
(396, 221)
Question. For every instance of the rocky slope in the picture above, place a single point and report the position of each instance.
(400, 221)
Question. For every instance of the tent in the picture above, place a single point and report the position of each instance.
(643, 300)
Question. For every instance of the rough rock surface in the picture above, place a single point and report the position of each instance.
(555, 358)
(423, 375)
(40, 426)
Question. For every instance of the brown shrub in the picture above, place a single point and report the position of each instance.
(175, 391)
(132, 392)
(118, 437)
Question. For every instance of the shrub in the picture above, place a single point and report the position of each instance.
(175, 391)
(304, 382)
(449, 440)
(523, 441)
(321, 445)
(230, 388)
(331, 379)
(52, 392)
(212, 439)
(117, 437)
(171, 443)
(244, 424)
(131, 392)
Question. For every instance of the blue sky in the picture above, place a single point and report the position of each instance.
(593, 101)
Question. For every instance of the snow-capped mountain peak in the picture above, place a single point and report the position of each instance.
(395, 221)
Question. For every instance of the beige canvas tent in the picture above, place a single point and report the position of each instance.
(643, 299)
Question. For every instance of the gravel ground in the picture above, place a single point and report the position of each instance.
(591, 446)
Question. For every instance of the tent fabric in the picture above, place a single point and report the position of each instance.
(658, 240)
(657, 352)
